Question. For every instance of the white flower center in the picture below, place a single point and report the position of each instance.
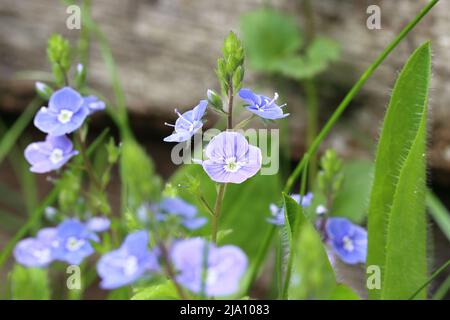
(42, 255)
(130, 266)
(56, 156)
(74, 244)
(231, 165)
(212, 277)
(348, 244)
(65, 116)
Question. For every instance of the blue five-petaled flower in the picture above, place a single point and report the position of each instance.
(262, 106)
(225, 266)
(349, 241)
(186, 212)
(50, 154)
(128, 263)
(187, 123)
(65, 113)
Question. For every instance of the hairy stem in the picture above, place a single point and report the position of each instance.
(217, 210)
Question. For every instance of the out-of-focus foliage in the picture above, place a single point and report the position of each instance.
(397, 221)
(274, 43)
(29, 283)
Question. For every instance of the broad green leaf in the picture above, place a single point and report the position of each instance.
(245, 207)
(163, 291)
(439, 213)
(312, 275)
(397, 225)
(316, 60)
(352, 200)
(29, 283)
(342, 292)
(269, 36)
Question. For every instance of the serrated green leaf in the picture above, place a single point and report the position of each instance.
(397, 225)
(268, 37)
(30, 283)
(312, 275)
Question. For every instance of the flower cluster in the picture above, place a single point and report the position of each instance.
(66, 112)
(70, 242)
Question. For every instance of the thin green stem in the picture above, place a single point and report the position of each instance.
(354, 91)
(313, 122)
(244, 122)
(170, 272)
(433, 276)
(442, 290)
(87, 162)
(217, 210)
(230, 106)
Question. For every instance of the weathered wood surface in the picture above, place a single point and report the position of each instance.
(166, 52)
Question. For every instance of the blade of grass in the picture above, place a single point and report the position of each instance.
(439, 213)
(10, 138)
(433, 276)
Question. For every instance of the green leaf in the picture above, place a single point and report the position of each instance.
(269, 36)
(163, 291)
(30, 283)
(245, 206)
(439, 213)
(342, 292)
(312, 275)
(316, 60)
(352, 200)
(397, 224)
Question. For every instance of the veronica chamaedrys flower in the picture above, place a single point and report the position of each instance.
(231, 159)
(128, 263)
(349, 241)
(98, 224)
(278, 218)
(262, 106)
(72, 242)
(225, 266)
(180, 208)
(65, 113)
(36, 252)
(93, 104)
(49, 155)
(187, 123)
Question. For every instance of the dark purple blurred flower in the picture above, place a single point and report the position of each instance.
(262, 106)
(128, 263)
(65, 113)
(72, 242)
(231, 159)
(36, 252)
(186, 212)
(50, 154)
(225, 266)
(187, 123)
(278, 218)
(349, 241)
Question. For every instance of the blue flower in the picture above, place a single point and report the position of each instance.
(128, 263)
(65, 113)
(72, 242)
(36, 252)
(225, 266)
(93, 104)
(98, 224)
(187, 123)
(180, 208)
(262, 106)
(278, 218)
(349, 241)
(50, 154)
